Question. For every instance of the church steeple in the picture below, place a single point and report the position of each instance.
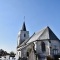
(23, 27)
(23, 34)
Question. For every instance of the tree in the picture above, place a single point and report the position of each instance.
(3, 53)
(12, 54)
(50, 58)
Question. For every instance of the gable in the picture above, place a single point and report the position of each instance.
(44, 35)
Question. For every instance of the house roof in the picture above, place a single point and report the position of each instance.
(44, 34)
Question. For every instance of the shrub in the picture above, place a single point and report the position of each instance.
(50, 58)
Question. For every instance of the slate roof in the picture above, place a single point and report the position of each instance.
(23, 27)
(44, 34)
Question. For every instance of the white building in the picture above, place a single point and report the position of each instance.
(40, 45)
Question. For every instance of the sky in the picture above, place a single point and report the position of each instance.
(38, 14)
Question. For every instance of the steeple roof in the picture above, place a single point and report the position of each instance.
(23, 27)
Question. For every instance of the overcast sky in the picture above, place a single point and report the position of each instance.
(38, 14)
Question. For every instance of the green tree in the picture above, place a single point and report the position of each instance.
(12, 54)
(3, 53)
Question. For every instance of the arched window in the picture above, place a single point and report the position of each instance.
(24, 35)
(55, 50)
(27, 54)
(43, 46)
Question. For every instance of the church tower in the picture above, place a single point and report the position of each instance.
(23, 34)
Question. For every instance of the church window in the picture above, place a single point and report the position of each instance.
(43, 46)
(55, 50)
(24, 35)
(27, 54)
(19, 53)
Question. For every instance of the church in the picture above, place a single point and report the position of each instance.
(39, 46)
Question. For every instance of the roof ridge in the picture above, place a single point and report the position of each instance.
(41, 29)
(48, 32)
